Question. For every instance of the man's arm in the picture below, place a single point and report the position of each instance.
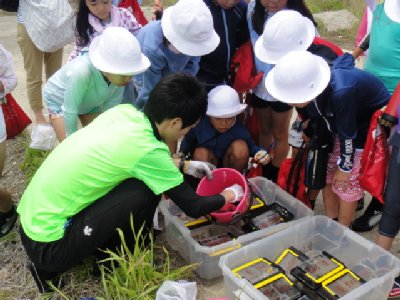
(192, 204)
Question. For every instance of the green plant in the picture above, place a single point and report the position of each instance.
(133, 274)
(33, 159)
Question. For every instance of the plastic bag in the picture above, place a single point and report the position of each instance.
(49, 23)
(181, 290)
(15, 118)
(43, 137)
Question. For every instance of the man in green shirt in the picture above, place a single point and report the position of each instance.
(117, 166)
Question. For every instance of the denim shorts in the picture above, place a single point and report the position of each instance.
(390, 222)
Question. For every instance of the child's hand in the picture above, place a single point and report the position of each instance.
(262, 157)
(157, 10)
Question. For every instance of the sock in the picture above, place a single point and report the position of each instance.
(271, 172)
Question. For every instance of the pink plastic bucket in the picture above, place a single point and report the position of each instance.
(223, 178)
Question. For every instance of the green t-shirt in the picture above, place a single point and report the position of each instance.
(117, 145)
(384, 49)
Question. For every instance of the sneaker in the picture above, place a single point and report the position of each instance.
(395, 291)
(42, 278)
(360, 204)
(7, 221)
(371, 217)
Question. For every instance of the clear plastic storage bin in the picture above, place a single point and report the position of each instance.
(311, 235)
(180, 238)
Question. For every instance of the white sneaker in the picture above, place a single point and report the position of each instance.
(43, 137)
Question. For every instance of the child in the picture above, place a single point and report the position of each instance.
(218, 138)
(274, 116)
(8, 82)
(344, 98)
(175, 44)
(229, 17)
(92, 83)
(94, 16)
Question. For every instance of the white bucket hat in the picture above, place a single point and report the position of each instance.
(286, 31)
(189, 26)
(298, 77)
(392, 10)
(117, 51)
(224, 102)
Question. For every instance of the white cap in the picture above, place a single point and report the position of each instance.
(392, 10)
(117, 51)
(224, 102)
(189, 26)
(298, 77)
(286, 31)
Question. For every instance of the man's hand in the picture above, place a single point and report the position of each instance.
(262, 157)
(341, 179)
(198, 169)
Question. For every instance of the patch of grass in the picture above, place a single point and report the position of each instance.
(317, 6)
(33, 159)
(133, 274)
(166, 3)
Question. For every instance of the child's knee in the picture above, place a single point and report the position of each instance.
(239, 149)
(203, 154)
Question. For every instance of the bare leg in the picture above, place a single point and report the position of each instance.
(280, 132)
(237, 156)
(203, 154)
(384, 241)
(347, 212)
(331, 202)
(264, 116)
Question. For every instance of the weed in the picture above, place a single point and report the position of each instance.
(33, 159)
(133, 274)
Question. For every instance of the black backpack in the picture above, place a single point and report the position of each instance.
(9, 5)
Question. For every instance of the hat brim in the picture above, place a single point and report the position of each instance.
(241, 109)
(291, 96)
(392, 10)
(184, 46)
(129, 68)
(272, 56)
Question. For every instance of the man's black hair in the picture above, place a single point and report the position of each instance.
(177, 95)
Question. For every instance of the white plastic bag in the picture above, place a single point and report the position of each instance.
(181, 290)
(43, 137)
(49, 23)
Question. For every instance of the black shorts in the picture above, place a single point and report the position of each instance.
(276, 106)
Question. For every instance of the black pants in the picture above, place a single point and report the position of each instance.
(390, 222)
(95, 227)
